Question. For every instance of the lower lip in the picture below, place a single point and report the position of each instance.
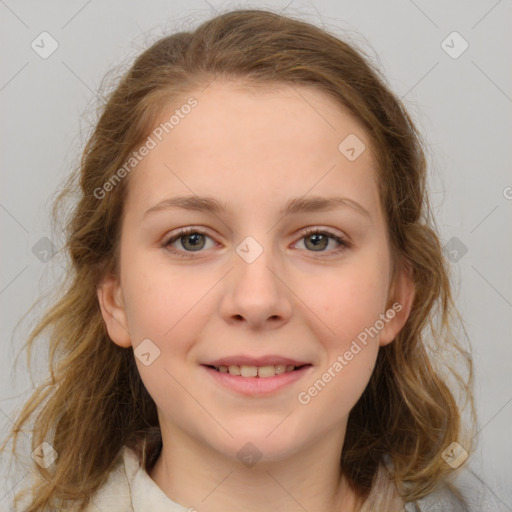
(257, 386)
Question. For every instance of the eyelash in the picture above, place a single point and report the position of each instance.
(309, 231)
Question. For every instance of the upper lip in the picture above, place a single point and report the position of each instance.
(270, 360)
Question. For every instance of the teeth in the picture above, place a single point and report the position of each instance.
(266, 371)
(280, 368)
(253, 371)
(248, 371)
(234, 370)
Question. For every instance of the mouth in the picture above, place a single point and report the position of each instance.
(262, 372)
(256, 381)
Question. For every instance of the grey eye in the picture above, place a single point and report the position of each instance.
(318, 241)
(193, 241)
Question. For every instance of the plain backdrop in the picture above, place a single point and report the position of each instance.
(457, 87)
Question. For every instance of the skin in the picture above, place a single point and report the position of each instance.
(254, 149)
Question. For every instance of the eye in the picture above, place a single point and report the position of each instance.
(194, 240)
(318, 240)
(190, 239)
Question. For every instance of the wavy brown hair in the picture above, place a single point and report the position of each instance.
(94, 401)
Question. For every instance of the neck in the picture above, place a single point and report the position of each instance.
(195, 475)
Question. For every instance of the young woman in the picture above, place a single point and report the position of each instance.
(258, 314)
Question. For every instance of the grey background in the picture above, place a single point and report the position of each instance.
(462, 105)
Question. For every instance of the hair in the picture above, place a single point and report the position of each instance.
(94, 401)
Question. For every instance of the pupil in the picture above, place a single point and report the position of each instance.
(195, 243)
(317, 239)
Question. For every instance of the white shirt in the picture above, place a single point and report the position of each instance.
(130, 489)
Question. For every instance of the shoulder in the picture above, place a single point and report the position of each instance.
(130, 488)
(115, 494)
(467, 493)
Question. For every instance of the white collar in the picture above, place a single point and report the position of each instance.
(130, 488)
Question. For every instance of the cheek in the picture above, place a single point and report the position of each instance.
(349, 300)
(169, 307)
(329, 398)
(161, 302)
(163, 306)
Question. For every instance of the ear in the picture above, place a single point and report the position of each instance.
(400, 299)
(113, 311)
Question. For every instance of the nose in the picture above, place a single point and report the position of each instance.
(255, 293)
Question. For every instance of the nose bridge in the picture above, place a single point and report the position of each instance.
(253, 262)
(254, 290)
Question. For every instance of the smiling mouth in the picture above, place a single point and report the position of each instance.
(257, 371)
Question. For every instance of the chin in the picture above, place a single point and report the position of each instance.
(261, 440)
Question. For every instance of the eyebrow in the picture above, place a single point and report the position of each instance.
(295, 205)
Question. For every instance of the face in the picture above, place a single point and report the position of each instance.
(269, 275)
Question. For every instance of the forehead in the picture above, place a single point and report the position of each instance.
(277, 140)
(230, 112)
